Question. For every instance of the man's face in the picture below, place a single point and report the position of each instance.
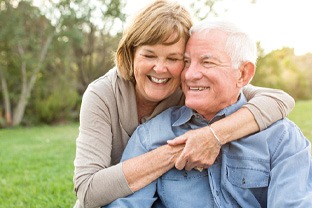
(209, 81)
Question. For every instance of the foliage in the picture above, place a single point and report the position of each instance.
(53, 104)
(25, 40)
(50, 51)
(204, 8)
(280, 69)
(56, 46)
(88, 25)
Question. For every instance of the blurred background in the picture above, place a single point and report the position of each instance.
(50, 50)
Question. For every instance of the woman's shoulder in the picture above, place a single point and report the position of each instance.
(109, 84)
(107, 79)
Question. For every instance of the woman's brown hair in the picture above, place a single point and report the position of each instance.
(153, 25)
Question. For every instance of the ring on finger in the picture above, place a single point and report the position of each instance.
(200, 169)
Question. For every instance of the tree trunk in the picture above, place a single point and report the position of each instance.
(7, 104)
(19, 110)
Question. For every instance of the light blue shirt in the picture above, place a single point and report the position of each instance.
(272, 168)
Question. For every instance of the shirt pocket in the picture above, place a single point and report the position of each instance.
(185, 189)
(248, 172)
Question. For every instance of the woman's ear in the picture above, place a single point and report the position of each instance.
(247, 71)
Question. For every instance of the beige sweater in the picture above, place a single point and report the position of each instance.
(108, 118)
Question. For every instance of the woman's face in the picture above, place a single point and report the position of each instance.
(157, 70)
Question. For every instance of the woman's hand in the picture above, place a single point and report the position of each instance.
(200, 151)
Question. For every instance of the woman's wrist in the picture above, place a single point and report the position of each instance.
(215, 135)
(235, 126)
(173, 153)
(221, 133)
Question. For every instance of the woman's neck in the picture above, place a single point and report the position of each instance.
(145, 108)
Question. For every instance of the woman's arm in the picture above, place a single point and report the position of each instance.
(144, 169)
(97, 182)
(265, 106)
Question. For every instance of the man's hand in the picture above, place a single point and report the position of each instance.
(200, 151)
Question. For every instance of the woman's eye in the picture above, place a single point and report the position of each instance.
(148, 56)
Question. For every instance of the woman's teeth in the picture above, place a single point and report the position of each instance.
(158, 81)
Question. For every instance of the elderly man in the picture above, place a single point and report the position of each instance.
(271, 168)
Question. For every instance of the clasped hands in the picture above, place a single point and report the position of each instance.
(200, 151)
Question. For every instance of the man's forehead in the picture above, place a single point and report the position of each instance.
(202, 56)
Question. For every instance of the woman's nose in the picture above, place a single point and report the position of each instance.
(160, 67)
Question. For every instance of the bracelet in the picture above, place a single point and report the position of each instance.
(214, 134)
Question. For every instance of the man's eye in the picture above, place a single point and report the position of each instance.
(173, 59)
(187, 63)
(209, 64)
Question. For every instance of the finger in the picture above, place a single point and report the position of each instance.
(181, 161)
(177, 141)
(189, 166)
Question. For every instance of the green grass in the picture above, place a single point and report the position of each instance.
(37, 166)
(301, 115)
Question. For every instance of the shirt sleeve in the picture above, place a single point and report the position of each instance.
(291, 170)
(146, 196)
(267, 105)
(94, 176)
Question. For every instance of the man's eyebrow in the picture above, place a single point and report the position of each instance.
(207, 56)
(211, 57)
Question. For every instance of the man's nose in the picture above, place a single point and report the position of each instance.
(192, 72)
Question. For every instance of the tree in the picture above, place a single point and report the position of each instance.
(208, 8)
(89, 27)
(26, 36)
(279, 69)
(61, 41)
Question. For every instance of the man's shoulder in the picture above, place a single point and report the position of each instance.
(283, 125)
(285, 133)
(164, 117)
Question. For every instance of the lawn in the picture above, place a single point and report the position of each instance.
(37, 166)
(37, 163)
(301, 115)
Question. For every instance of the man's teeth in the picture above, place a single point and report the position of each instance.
(159, 81)
(198, 88)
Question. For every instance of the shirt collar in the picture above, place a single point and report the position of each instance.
(185, 114)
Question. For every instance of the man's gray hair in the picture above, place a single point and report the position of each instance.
(239, 46)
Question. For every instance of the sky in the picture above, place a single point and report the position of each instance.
(274, 23)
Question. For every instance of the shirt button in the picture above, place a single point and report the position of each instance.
(185, 174)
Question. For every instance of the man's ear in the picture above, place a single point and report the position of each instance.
(247, 71)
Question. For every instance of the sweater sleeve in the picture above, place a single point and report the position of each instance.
(267, 105)
(96, 181)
